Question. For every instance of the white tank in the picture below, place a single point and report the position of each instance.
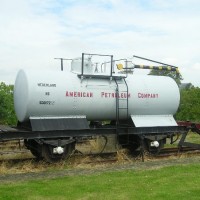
(50, 93)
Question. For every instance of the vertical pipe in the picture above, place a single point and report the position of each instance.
(61, 64)
(111, 65)
(82, 64)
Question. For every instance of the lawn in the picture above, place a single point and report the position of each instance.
(176, 182)
(191, 137)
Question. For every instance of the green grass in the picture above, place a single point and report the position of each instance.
(178, 182)
(191, 137)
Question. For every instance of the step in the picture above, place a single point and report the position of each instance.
(123, 99)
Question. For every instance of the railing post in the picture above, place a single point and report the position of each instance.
(111, 65)
(61, 64)
(82, 64)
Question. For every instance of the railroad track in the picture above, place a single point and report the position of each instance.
(14, 152)
(75, 158)
(104, 158)
(175, 151)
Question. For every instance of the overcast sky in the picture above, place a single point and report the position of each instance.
(34, 32)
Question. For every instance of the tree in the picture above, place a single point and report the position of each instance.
(173, 74)
(7, 113)
(189, 109)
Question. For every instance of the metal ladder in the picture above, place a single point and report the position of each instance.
(120, 105)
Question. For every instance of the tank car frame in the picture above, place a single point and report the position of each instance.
(43, 144)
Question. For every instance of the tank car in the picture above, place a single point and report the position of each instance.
(94, 99)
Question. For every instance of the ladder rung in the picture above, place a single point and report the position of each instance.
(122, 99)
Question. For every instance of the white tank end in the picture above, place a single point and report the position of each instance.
(21, 96)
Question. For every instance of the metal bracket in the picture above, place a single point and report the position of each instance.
(59, 123)
(187, 144)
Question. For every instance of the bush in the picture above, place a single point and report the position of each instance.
(189, 109)
(7, 113)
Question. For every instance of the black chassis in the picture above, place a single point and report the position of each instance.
(17, 134)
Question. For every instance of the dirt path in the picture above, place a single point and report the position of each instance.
(88, 169)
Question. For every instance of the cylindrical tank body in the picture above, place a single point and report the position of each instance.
(51, 93)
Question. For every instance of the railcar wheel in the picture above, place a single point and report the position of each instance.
(132, 143)
(51, 157)
(36, 153)
(34, 147)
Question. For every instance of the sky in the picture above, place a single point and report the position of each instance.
(34, 32)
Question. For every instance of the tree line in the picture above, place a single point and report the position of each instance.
(189, 109)
(7, 113)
